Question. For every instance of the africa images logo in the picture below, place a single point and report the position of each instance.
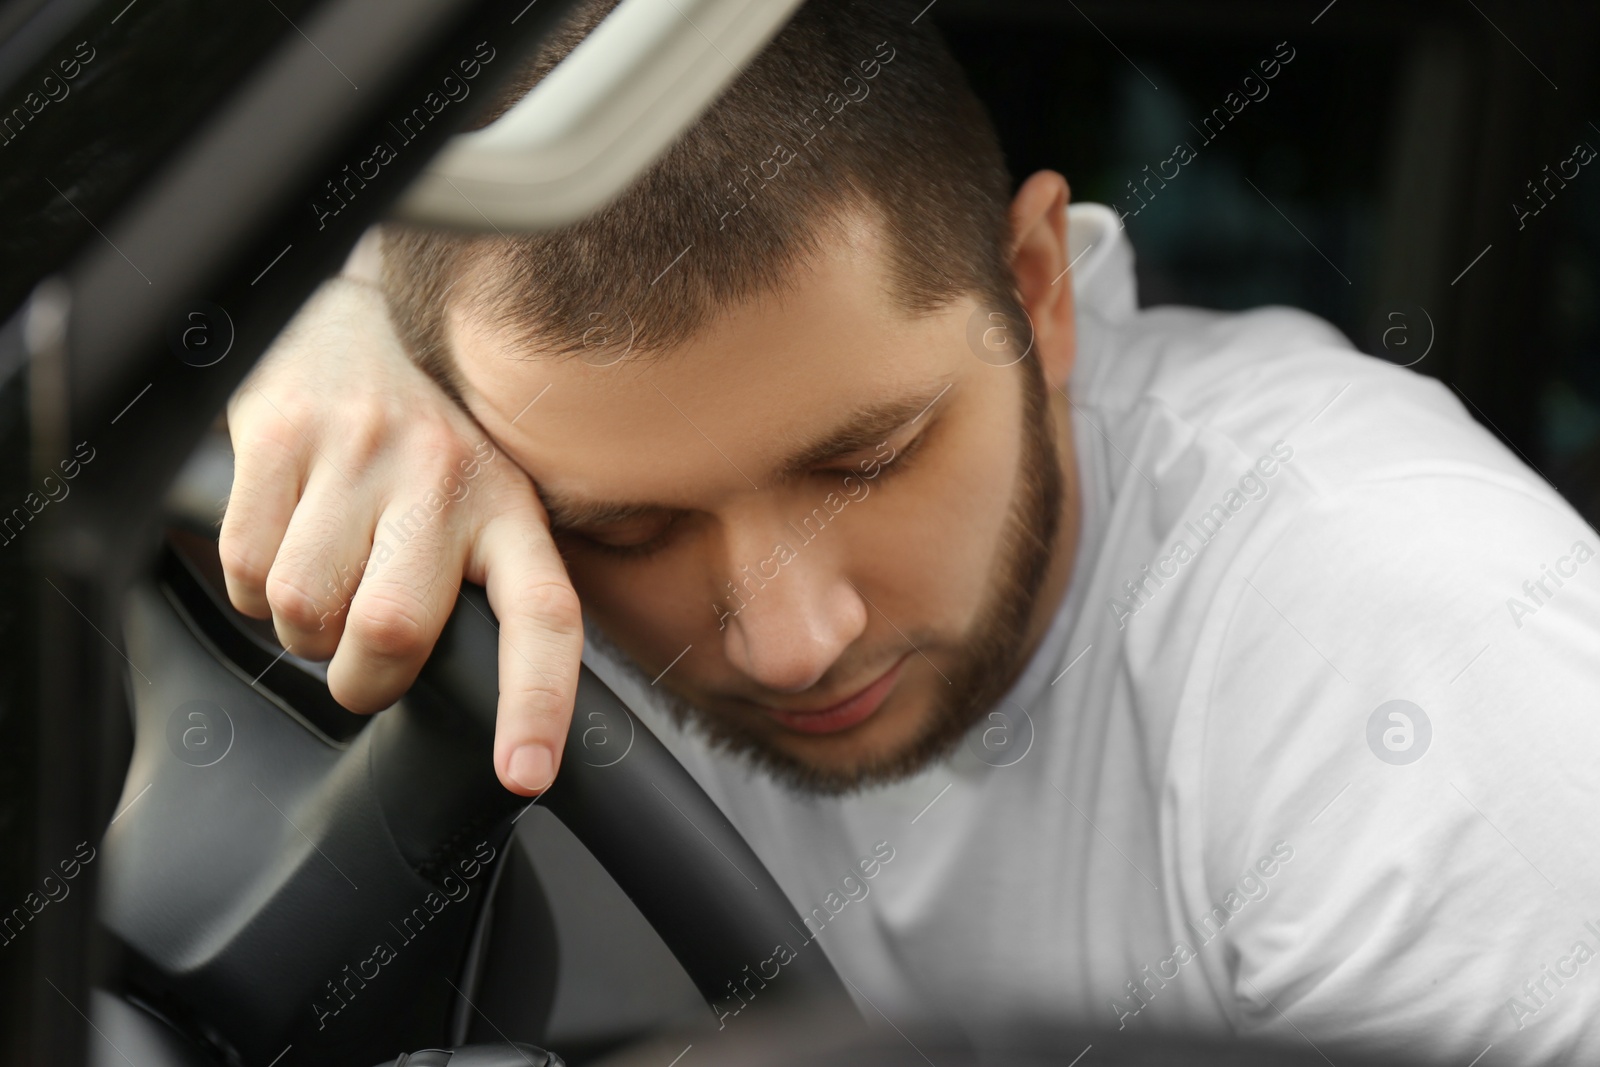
(350, 981)
(1252, 485)
(1537, 992)
(345, 187)
(855, 889)
(1251, 886)
(1537, 589)
(1399, 732)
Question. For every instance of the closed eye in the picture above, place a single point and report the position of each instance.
(631, 542)
(638, 540)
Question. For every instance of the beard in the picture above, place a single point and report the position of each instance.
(989, 657)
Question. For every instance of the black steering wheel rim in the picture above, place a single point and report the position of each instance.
(249, 880)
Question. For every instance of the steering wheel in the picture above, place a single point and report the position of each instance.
(284, 874)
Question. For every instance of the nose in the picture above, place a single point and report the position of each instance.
(793, 613)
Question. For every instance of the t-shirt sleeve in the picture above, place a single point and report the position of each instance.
(1406, 699)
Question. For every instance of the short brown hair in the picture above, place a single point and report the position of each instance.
(872, 113)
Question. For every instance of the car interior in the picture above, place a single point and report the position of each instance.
(260, 877)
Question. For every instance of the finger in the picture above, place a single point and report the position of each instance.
(405, 596)
(319, 564)
(268, 474)
(541, 646)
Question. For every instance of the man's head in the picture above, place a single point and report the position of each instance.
(788, 400)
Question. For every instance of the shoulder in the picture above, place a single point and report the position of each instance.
(1403, 689)
(1235, 439)
(1227, 386)
(1454, 587)
(1191, 401)
(1169, 350)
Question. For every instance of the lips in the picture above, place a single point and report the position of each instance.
(849, 712)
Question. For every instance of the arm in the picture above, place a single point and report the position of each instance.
(362, 497)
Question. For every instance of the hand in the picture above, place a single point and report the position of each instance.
(362, 496)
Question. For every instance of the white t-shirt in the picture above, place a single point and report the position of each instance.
(1197, 809)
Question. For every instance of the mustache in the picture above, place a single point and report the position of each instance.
(842, 682)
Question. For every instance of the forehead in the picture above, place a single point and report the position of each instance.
(722, 412)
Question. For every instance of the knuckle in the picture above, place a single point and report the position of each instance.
(443, 446)
(438, 448)
(544, 695)
(299, 412)
(268, 439)
(509, 499)
(243, 561)
(541, 705)
(391, 625)
(553, 603)
(291, 600)
(367, 429)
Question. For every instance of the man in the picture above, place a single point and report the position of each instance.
(1152, 668)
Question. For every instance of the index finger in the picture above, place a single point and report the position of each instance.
(541, 646)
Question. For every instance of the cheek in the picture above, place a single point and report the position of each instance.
(933, 541)
(650, 611)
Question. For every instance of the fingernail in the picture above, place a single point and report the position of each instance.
(533, 768)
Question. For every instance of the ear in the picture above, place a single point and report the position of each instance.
(1039, 263)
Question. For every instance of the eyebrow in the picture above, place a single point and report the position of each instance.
(867, 427)
(864, 428)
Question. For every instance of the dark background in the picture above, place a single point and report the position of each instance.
(1395, 142)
